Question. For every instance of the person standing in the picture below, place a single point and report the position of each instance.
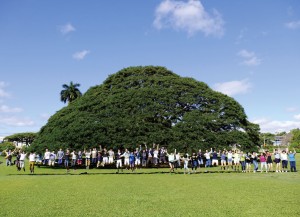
(111, 156)
(46, 157)
(284, 160)
(236, 160)
(255, 161)
(229, 159)
(292, 160)
(22, 160)
(52, 158)
(269, 161)
(131, 161)
(194, 160)
(67, 158)
(243, 161)
(207, 157)
(74, 158)
(87, 158)
(223, 159)
(8, 156)
(94, 156)
(119, 161)
(186, 160)
(31, 162)
(263, 162)
(277, 160)
(144, 158)
(248, 162)
(171, 159)
(60, 156)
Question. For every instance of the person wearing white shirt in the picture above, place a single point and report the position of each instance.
(22, 160)
(31, 162)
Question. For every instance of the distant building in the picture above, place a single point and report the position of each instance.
(1, 139)
(282, 140)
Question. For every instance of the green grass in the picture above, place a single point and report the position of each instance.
(104, 193)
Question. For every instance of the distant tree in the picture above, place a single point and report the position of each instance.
(26, 138)
(70, 92)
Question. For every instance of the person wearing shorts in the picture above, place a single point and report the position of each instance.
(236, 160)
(79, 158)
(126, 155)
(31, 162)
(105, 157)
(99, 159)
(263, 162)
(248, 162)
(229, 159)
(277, 160)
(88, 158)
(171, 159)
(215, 158)
(284, 160)
(111, 156)
(52, 158)
(223, 160)
(269, 161)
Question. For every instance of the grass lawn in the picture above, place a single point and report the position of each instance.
(52, 192)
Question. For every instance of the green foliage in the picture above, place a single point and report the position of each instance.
(27, 137)
(6, 146)
(70, 92)
(149, 104)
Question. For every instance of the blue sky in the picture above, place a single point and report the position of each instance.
(249, 50)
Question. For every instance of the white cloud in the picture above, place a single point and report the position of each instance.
(65, 29)
(81, 54)
(7, 109)
(3, 93)
(291, 109)
(16, 121)
(249, 58)
(232, 88)
(297, 117)
(273, 126)
(293, 24)
(188, 16)
(241, 36)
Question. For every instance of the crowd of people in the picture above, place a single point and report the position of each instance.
(142, 157)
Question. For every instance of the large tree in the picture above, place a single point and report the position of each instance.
(70, 92)
(150, 105)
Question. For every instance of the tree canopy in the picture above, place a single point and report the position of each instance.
(70, 92)
(149, 105)
(27, 137)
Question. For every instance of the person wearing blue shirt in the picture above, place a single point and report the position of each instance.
(131, 161)
(292, 160)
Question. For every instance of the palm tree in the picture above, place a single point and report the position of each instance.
(70, 92)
